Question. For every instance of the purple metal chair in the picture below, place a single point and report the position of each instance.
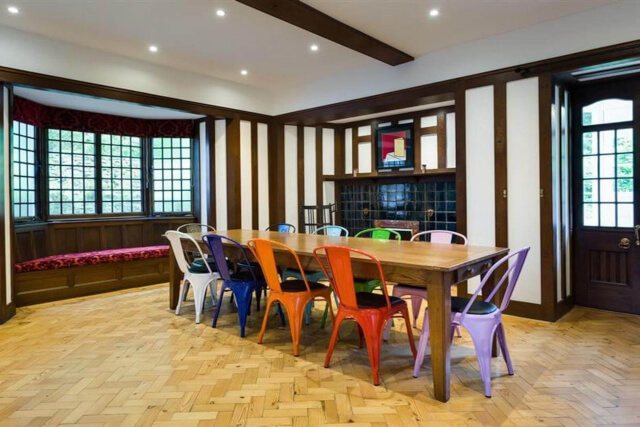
(241, 284)
(482, 319)
(417, 295)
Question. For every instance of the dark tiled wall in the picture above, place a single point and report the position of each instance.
(361, 204)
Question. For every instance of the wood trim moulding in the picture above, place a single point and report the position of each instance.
(46, 82)
(461, 168)
(306, 17)
(211, 142)
(276, 173)
(234, 201)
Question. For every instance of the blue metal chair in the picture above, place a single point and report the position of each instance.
(282, 227)
(242, 284)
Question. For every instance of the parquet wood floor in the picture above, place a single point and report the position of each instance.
(125, 359)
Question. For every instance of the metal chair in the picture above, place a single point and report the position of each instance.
(195, 228)
(294, 295)
(370, 311)
(199, 276)
(332, 230)
(282, 227)
(417, 295)
(242, 284)
(482, 319)
(380, 233)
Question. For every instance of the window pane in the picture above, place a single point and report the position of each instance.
(590, 190)
(171, 175)
(24, 166)
(607, 142)
(625, 165)
(625, 190)
(590, 143)
(71, 156)
(607, 190)
(607, 215)
(607, 111)
(591, 214)
(624, 140)
(625, 215)
(590, 167)
(119, 165)
(607, 166)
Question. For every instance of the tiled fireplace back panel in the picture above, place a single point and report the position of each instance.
(361, 204)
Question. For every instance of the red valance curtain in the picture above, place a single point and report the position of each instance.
(43, 116)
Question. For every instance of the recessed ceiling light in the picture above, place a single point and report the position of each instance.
(314, 47)
(434, 12)
(13, 9)
(153, 48)
(220, 12)
(244, 72)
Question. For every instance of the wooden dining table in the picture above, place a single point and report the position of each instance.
(435, 266)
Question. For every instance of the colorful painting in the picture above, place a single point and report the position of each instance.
(394, 147)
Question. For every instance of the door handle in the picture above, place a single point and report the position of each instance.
(624, 243)
(637, 230)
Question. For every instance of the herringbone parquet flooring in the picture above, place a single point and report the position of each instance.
(125, 359)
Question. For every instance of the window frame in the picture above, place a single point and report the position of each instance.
(194, 174)
(39, 215)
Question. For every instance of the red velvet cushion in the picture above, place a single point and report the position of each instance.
(91, 258)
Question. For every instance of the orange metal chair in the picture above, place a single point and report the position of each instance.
(370, 311)
(294, 295)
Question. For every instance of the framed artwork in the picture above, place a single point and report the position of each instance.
(394, 147)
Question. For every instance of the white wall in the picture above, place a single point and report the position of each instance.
(220, 170)
(481, 207)
(523, 181)
(598, 27)
(7, 200)
(310, 165)
(246, 201)
(263, 176)
(291, 174)
(26, 51)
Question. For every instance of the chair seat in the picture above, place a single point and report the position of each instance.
(246, 276)
(198, 266)
(299, 286)
(371, 300)
(478, 307)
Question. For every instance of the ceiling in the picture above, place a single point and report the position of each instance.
(100, 105)
(191, 37)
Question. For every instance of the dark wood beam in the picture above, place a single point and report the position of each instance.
(304, 16)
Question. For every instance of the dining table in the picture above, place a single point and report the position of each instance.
(436, 266)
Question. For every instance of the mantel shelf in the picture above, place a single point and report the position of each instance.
(394, 174)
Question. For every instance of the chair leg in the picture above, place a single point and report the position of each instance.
(295, 313)
(422, 346)
(199, 295)
(258, 297)
(218, 307)
(212, 288)
(307, 312)
(265, 320)
(183, 295)
(243, 300)
(482, 336)
(502, 340)
(372, 329)
(412, 344)
(334, 338)
(416, 304)
(387, 330)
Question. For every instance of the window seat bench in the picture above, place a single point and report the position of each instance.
(72, 275)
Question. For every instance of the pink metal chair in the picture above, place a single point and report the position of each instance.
(482, 319)
(417, 295)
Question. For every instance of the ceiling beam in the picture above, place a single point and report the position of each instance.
(304, 16)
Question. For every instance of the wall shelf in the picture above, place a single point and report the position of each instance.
(394, 174)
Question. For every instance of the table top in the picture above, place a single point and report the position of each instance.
(422, 255)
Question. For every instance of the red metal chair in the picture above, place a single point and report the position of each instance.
(370, 311)
(294, 295)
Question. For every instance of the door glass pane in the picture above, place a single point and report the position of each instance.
(591, 214)
(590, 143)
(607, 215)
(607, 111)
(625, 165)
(624, 141)
(607, 166)
(590, 190)
(607, 142)
(625, 190)
(625, 215)
(590, 167)
(607, 190)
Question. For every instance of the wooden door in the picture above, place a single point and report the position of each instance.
(606, 155)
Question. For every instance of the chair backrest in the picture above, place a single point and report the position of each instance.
(263, 250)
(380, 233)
(282, 227)
(215, 243)
(195, 228)
(441, 236)
(176, 240)
(340, 272)
(515, 261)
(332, 230)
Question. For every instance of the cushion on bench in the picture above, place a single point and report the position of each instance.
(92, 258)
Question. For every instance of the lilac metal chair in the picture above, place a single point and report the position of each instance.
(417, 295)
(241, 284)
(482, 319)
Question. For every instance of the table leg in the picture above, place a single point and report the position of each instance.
(440, 337)
(174, 281)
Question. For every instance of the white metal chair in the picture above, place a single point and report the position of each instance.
(198, 275)
(417, 295)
